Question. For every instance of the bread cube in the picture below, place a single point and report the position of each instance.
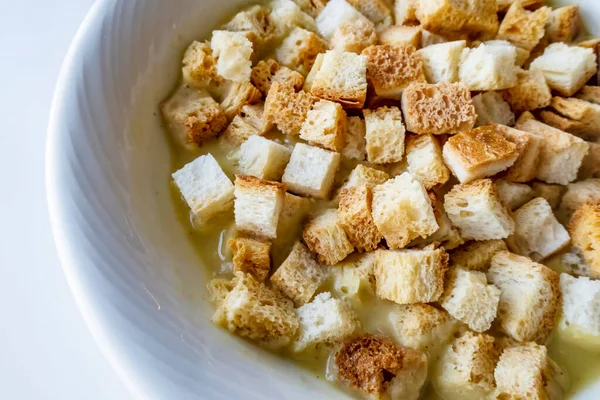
(251, 256)
(504, 5)
(528, 148)
(254, 22)
(390, 69)
(325, 236)
(204, 187)
(376, 368)
(257, 205)
(324, 321)
(311, 7)
(311, 171)
(350, 279)
(477, 255)
(199, 66)
(362, 175)
(355, 218)
(531, 92)
(355, 139)
(476, 210)
(401, 36)
(451, 17)
(255, 311)
(522, 54)
(299, 276)
(238, 94)
(336, 14)
(263, 158)
(440, 61)
(289, 228)
(575, 116)
(193, 117)
(375, 10)
(584, 228)
(552, 193)
(405, 12)
(488, 67)
(491, 107)
(286, 108)
(402, 211)
(354, 36)
(410, 276)
(341, 77)
(384, 135)
(429, 38)
(447, 235)
(566, 68)
(325, 125)
(589, 93)
(466, 369)
(590, 166)
(530, 297)
(561, 153)
(249, 122)
(425, 161)
(564, 24)
(286, 15)
(578, 193)
(479, 153)
(438, 108)
(269, 71)
(299, 50)
(513, 195)
(233, 51)
(580, 323)
(524, 28)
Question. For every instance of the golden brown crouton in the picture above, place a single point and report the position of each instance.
(254, 22)
(384, 135)
(584, 228)
(453, 17)
(363, 175)
(563, 24)
(377, 11)
(575, 116)
(199, 66)
(354, 36)
(251, 256)
(400, 36)
(552, 193)
(477, 255)
(528, 148)
(269, 71)
(530, 93)
(249, 122)
(524, 28)
(311, 7)
(325, 125)
(286, 108)
(355, 142)
(299, 50)
(238, 94)
(590, 166)
(355, 218)
(405, 12)
(324, 235)
(425, 161)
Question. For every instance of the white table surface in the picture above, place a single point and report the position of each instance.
(46, 350)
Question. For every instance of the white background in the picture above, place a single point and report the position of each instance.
(46, 351)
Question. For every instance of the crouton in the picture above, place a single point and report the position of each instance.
(425, 162)
(590, 166)
(324, 321)
(291, 220)
(286, 108)
(299, 276)
(355, 139)
(561, 153)
(377, 11)
(513, 195)
(336, 14)
(193, 117)
(354, 36)
(401, 36)
(584, 228)
(218, 289)
(476, 210)
(204, 187)
(310, 78)
(479, 153)
(355, 218)
(254, 115)
(257, 205)
(488, 67)
(269, 71)
(531, 92)
(377, 368)
(578, 193)
(236, 95)
(575, 116)
(311, 171)
(363, 175)
(286, 15)
(421, 326)
(477, 255)
(451, 17)
(438, 108)
(589, 93)
(526, 372)
(528, 147)
(402, 211)
(430, 38)
(447, 235)
(325, 236)
(342, 77)
(253, 21)
(299, 50)
(263, 158)
(325, 125)
(311, 7)
(524, 28)
(491, 107)
(522, 54)
(384, 135)
(199, 66)
(564, 24)
(530, 297)
(470, 299)
(552, 193)
(580, 323)
(254, 311)
(466, 369)
(251, 256)
(232, 51)
(440, 61)
(405, 12)
(566, 68)
(249, 122)
(410, 276)
(350, 279)
(504, 5)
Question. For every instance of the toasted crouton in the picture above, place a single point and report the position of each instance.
(299, 276)
(451, 17)
(324, 321)
(355, 139)
(513, 195)
(563, 24)
(405, 12)
(253, 21)
(438, 108)
(528, 147)
(325, 125)
(193, 117)
(589, 93)
(291, 221)
(363, 175)
(232, 51)
(384, 135)
(350, 279)
(205, 187)
(341, 77)
(584, 228)
(524, 28)
(575, 116)
(377, 368)
(336, 14)
(269, 71)
(531, 92)
(402, 211)
(447, 235)
(476, 210)
(286, 15)
(286, 108)
(355, 218)
(488, 67)
(249, 122)
(375, 10)
(311, 7)
(410, 276)
(578, 193)
(325, 236)
(400, 36)
(440, 61)
(263, 158)
(590, 166)
(479, 153)
(566, 68)
(236, 95)
(477, 255)
(251, 256)
(530, 297)
(552, 193)
(354, 36)
(522, 54)
(491, 107)
(311, 171)
(466, 368)
(580, 323)
(253, 310)
(199, 66)
(218, 289)
(425, 161)
(299, 50)
(429, 38)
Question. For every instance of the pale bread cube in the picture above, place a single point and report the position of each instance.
(325, 236)
(580, 323)
(257, 205)
(263, 158)
(530, 297)
(528, 148)
(524, 28)
(522, 54)
(384, 135)
(590, 166)
(204, 187)
(311, 171)
(363, 175)
(530, 93)
(488, 67)
(584, 228)
(402, 211)
(377, 11)
(251, 256)
(578, 193)
(254, 22)
(477, 255)
(354, 216)
(552, 193)
(233, 51)
(287, 108)
(452, 17)
(336, 14)
(476, 210)
(470, 299)
(410, 276)
(400, 36)
(447, 235)
(266, 72)
(249, 122)
(354, 36)
(350, 279)
(311, 7)
(236, 95)
(286, 15)
(325, 125)
(425, 161)
(405, 12)
(355, 139)
(513, 195)
(310, 78)
(299, 50)
(564, 24)
(576, 116)
(440, 61)
(491, 107)
(324, 321)
(293, 214)
(199, 67)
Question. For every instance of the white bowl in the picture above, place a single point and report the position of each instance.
(136, 278)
